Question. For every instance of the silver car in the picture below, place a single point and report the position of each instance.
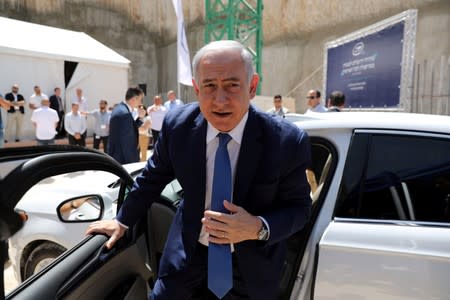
(380, 184)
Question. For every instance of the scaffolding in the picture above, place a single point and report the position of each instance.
(239, 20)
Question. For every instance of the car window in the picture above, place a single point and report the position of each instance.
(322, 160)
(397, 177)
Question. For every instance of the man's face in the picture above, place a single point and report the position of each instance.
(75, 108)
(313, 101)
(277, 103)
(15, 89)
(37, 90)
(136, 101)
(223, 91)
(58, 92)
(157, 100)
(79, 93)
(102, 105)
(171, 96)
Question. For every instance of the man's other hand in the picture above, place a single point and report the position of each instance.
(111, 228)
(236, 227)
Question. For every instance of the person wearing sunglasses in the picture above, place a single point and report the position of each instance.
(313, 101)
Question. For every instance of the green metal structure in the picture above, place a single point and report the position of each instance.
(239, 20)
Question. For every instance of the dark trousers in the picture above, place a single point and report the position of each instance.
(104, 140)
(192, 282)
(61, 132)
(80, 142)
(155, 135)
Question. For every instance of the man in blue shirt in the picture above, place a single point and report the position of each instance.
(101, 130)
(173, 101)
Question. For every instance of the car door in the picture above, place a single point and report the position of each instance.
(87, 271)
(389, 235)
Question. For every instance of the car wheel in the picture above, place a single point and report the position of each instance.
(40, 257)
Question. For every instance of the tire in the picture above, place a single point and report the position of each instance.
(40, 257)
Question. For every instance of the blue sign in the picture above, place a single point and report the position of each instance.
(368, 69)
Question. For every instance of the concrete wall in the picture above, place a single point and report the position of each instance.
(295, 32)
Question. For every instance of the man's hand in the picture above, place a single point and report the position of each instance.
(231, 228)
(109, 227)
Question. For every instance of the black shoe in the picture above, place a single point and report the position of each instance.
(17, 140)
(6, 141)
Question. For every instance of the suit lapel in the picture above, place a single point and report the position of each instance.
(197, 157)
(249, 157)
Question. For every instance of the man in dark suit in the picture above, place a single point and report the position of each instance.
(57, 104)
(123, 127)
(336, 102)
(269, 200)
(15, 114)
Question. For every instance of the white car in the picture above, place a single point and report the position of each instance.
(50, 229)
(379, 228)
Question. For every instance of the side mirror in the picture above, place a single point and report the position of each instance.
(81, 209)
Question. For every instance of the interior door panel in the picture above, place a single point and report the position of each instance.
(125, 275)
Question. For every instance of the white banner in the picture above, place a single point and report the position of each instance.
(184, 63)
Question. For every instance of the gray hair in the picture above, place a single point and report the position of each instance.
(222, 45)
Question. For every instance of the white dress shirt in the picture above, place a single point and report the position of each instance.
(233, 147)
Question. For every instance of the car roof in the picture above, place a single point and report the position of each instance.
(377, 120)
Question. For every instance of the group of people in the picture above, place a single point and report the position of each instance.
(335, 103)
(48, 116)
(131, 121)
(52, 122)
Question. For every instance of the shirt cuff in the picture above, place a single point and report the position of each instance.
(121, 224)
(266, 225)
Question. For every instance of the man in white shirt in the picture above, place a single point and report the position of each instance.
(278, 108)
(314, 102)
(81, 100)
(157, 113)
(172, 101)
(45, 121)
(76, 126)
(36, 98)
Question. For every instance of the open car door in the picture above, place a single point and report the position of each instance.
(89, 270)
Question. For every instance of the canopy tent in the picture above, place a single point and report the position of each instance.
(33, 54)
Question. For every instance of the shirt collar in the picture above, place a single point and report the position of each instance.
(236, 133)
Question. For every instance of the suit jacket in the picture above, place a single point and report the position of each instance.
(123, 135)
(54, 103)
(10, 97)
(270, 182)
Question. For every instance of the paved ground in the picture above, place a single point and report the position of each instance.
(27, 143)
(10, 281)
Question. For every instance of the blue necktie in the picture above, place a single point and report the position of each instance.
(220, 274)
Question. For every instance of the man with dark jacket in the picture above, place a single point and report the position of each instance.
(15, 114)
(57, 104)
(123, 127)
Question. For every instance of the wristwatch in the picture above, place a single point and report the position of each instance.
(263, 233)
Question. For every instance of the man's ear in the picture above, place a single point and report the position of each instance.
(253, 85)
(196, 89)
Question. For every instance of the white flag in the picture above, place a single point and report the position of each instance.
(184, 63)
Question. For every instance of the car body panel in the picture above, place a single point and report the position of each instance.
(383, 261)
